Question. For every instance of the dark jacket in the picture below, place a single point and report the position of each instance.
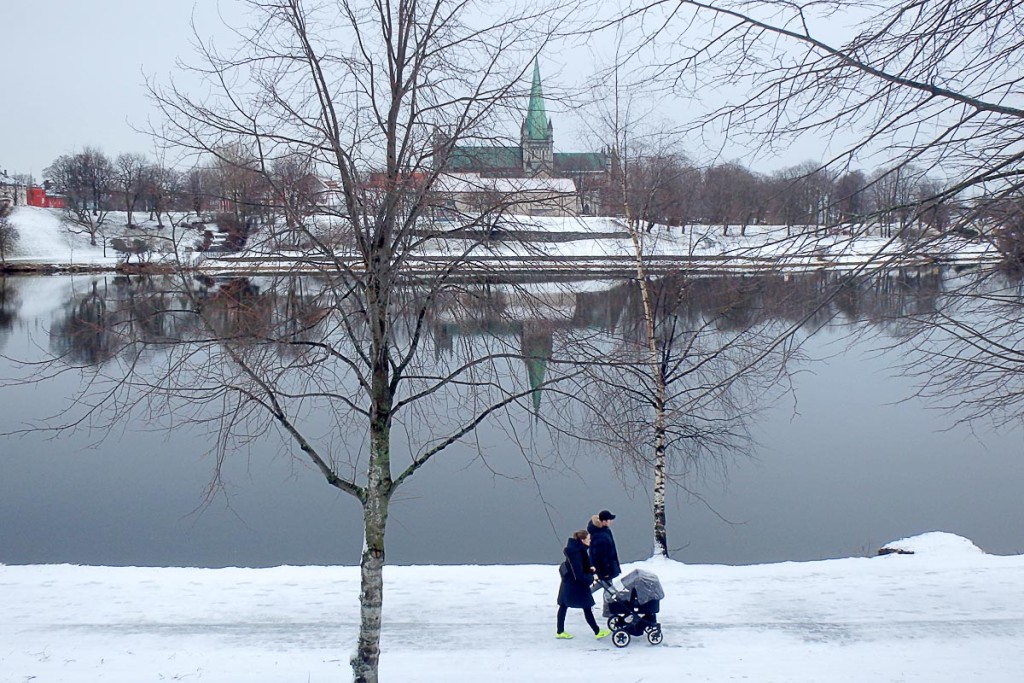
(603, 555)
(574, 590)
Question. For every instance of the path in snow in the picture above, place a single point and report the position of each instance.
(896, 618)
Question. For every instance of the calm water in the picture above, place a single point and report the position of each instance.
(840, 467)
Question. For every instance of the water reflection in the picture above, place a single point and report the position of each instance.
(497, 504)
(968, 355)
(123, 314)
(9, 303)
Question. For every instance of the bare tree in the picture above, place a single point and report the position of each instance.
(663, 187)
(726, 194)
(801, 196)
(198, 185)
(130, 179)
(8, 238)
(296, 189)
(851, 201)
(85, 179)
(357, 89)
(917, 84)
(669, 371)
(929, 92)
(895, 194)
(162, 185)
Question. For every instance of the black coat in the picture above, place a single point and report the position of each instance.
(575, 588)
(603, 555)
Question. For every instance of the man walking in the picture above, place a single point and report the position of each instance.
(603, 555)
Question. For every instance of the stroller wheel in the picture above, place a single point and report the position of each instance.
(620, 638)
(654, 636)
(615, 623)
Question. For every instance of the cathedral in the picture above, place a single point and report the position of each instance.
(535, 160)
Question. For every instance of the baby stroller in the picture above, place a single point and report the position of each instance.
(632, 611)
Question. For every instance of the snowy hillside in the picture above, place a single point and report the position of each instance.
(44, 238)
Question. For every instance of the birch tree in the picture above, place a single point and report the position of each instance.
(358, 90)
(928, 91)
(677, 384)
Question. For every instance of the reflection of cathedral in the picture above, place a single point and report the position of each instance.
(534, 158)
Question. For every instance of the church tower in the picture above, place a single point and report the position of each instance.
(537, 136)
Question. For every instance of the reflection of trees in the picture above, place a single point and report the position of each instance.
(719, 350)
(968, 351)
(739, 302)
(9, 304)
(117, 318)
(126, 313)
(83, 334)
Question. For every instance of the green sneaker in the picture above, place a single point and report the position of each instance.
(564, 636)
(603, 633)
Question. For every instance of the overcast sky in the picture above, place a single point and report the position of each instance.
(81, 68)
(75, 73)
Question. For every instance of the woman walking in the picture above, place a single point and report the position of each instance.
(574, 590)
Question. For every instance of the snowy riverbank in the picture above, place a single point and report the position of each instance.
(46, 241)
(948, 613)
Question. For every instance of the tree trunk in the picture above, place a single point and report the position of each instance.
(366, 660)
(660, 519)
(660, 394)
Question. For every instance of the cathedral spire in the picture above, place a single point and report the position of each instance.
(537, 125)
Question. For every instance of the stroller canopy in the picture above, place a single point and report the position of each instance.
(645, 584)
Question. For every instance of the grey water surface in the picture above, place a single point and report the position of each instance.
(844, 464)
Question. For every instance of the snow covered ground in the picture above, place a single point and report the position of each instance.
(948, 613)
(42, 238)
(45, 239)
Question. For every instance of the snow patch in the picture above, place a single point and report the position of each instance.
(936, 544)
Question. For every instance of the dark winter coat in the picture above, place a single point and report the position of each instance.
(603, 555)
(575, 588)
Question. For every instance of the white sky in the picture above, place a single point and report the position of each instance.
(77, 71)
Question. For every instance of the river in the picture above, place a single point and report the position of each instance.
(840, 461)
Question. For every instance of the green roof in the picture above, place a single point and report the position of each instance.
(485, 158)
(580, 161)
(536, 119)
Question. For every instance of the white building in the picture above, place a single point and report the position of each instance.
(11, 193)
(536, 196)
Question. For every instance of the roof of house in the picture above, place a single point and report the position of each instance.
(485, 158)
(567, 162)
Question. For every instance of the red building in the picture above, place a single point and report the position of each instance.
(36, 196)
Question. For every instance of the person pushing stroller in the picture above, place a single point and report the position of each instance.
(603, 555)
